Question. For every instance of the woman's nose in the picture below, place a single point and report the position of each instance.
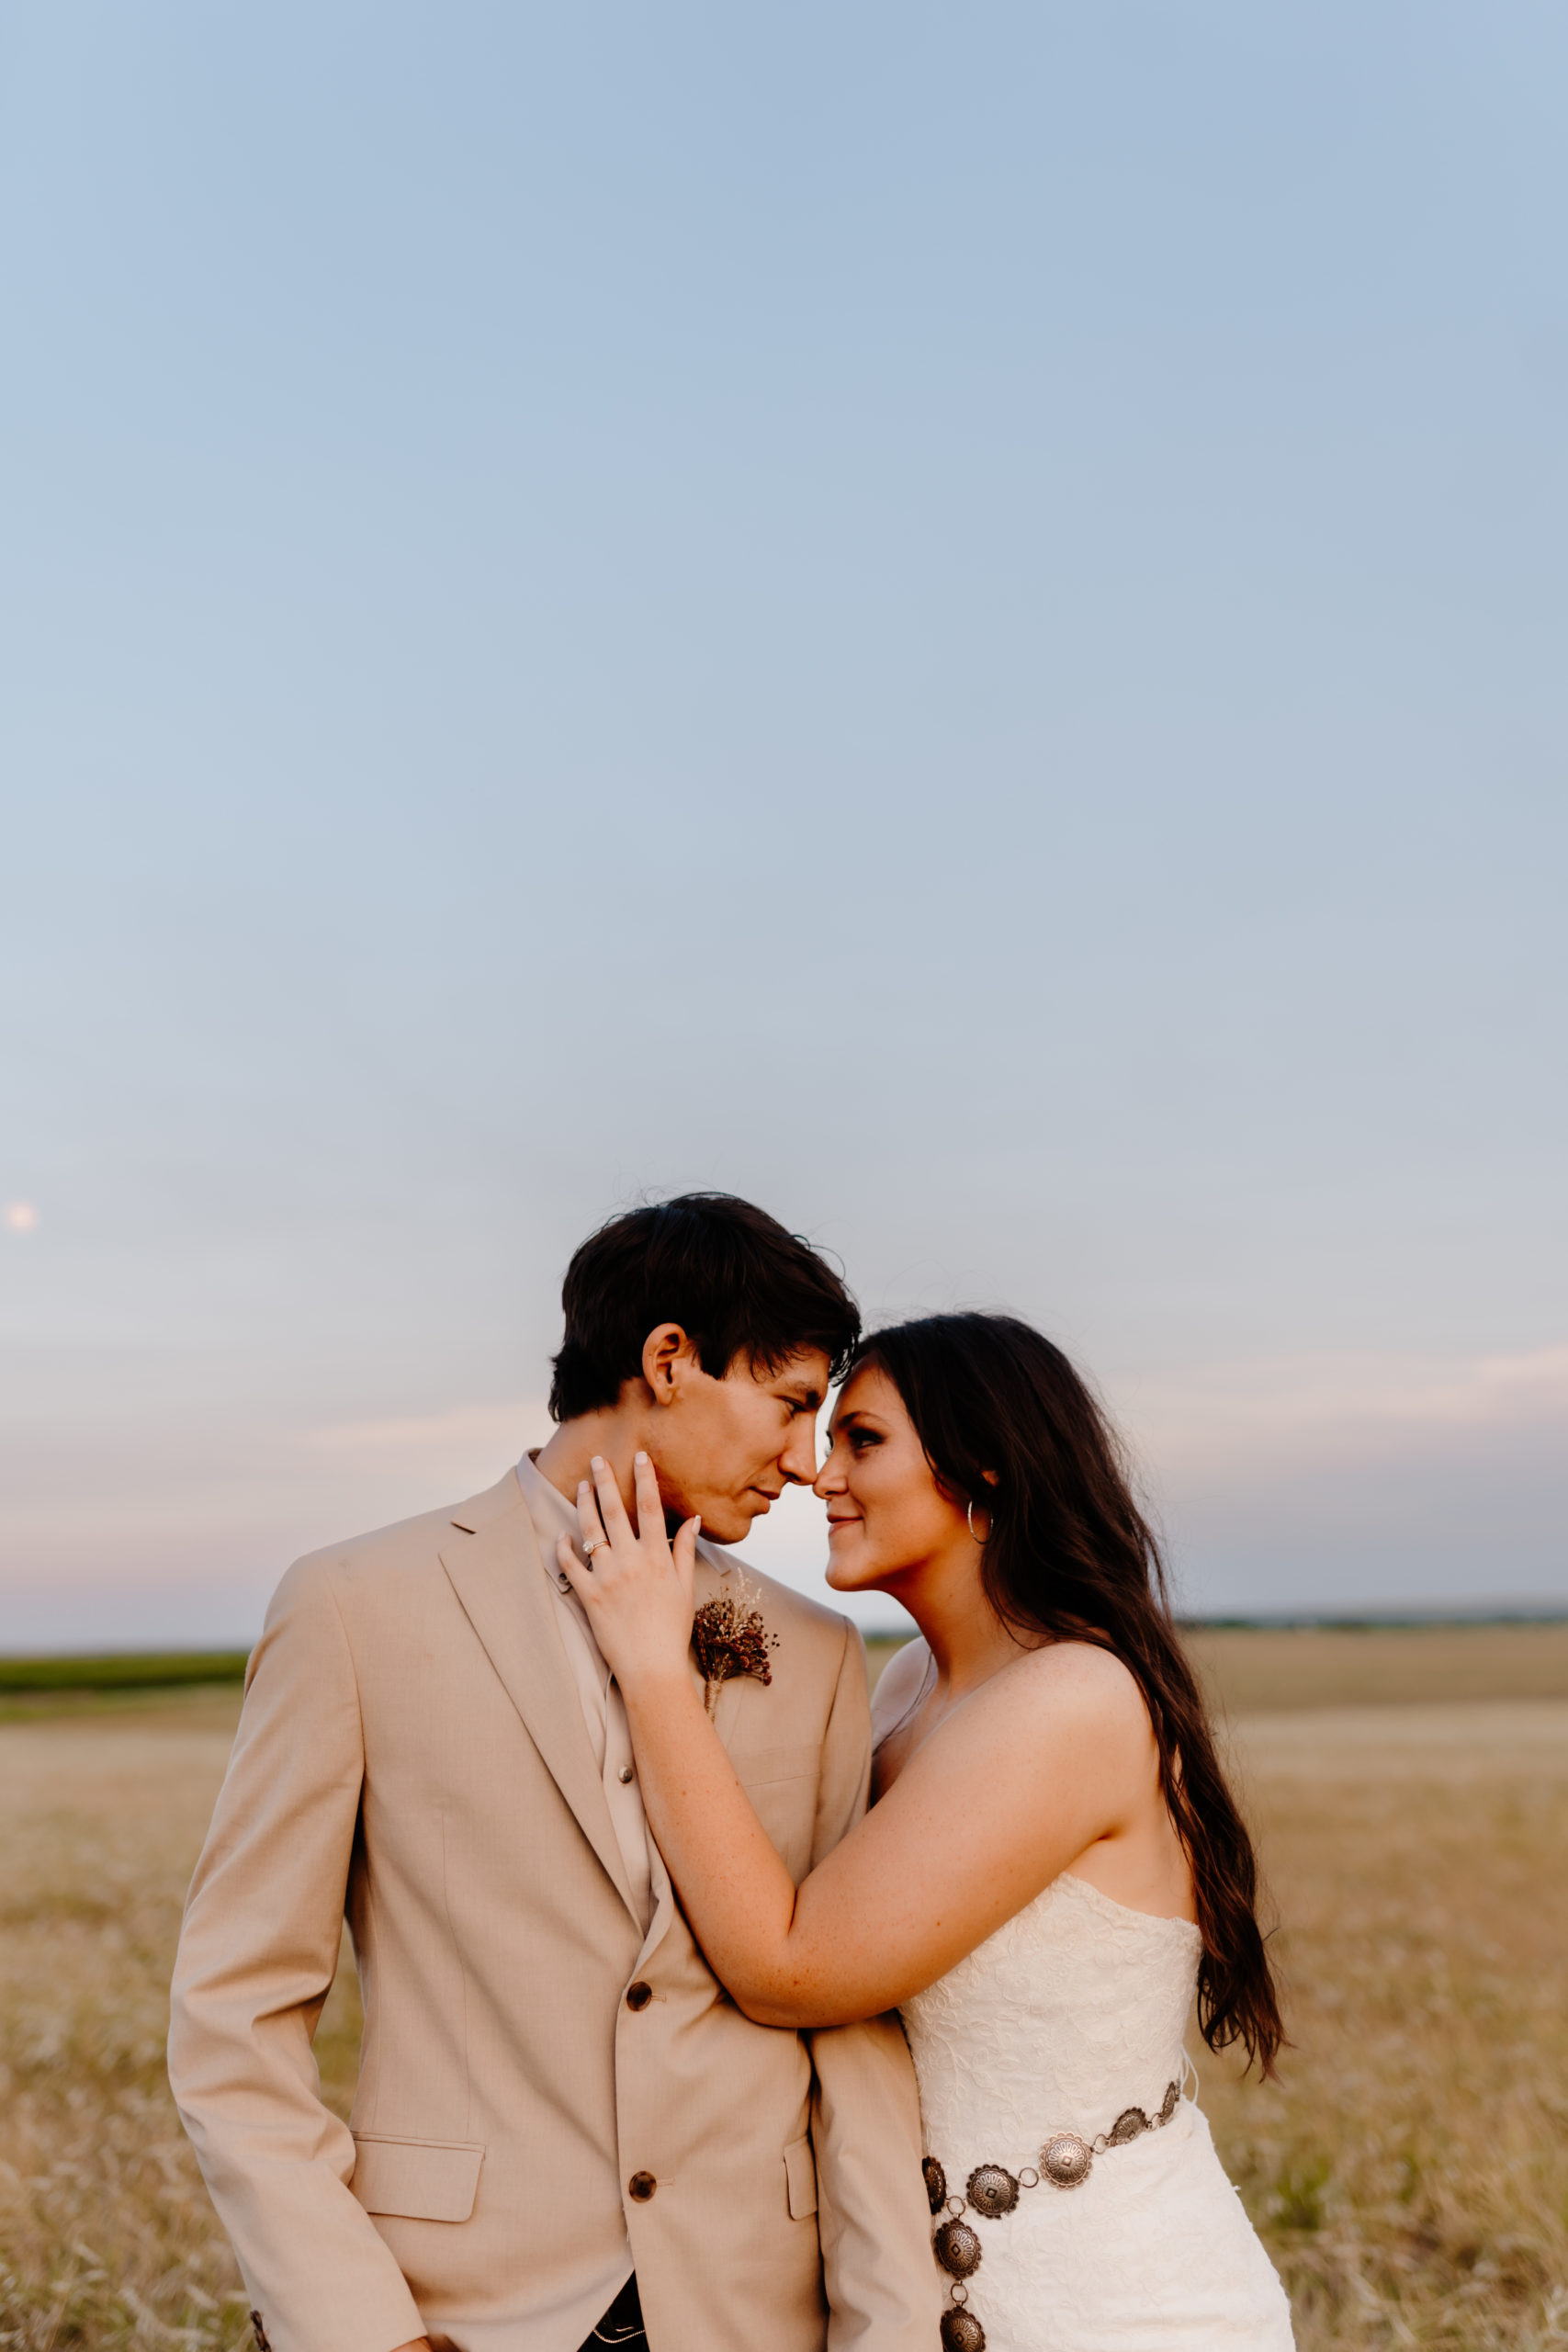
(829, 1479)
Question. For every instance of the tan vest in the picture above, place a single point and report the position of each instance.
(547, 2094)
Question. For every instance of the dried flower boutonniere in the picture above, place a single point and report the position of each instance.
(730, 1639)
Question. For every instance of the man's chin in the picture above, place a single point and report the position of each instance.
(731, 1524)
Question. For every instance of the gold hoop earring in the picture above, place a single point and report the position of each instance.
(969, 1523)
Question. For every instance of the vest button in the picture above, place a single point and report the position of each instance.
(626, 1775)
(642, 2185)
(638, 1995)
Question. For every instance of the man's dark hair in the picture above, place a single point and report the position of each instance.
(729, 1273)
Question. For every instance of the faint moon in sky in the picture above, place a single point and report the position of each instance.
(20, 1215)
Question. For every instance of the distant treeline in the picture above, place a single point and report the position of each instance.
(1392, 1621)
(142, 1670)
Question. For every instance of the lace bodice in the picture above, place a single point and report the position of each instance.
(1074, 2011)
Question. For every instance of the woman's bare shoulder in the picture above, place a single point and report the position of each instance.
(1072, 1684)
(899, 1686)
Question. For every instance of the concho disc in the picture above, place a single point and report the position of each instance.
(1131, 2124)
(936, 2183)
(991, 2190)
(962, 2332)
(1065, 2159)
(958, 2249)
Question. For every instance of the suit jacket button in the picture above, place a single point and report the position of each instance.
(642, 2185)
(638, 1995)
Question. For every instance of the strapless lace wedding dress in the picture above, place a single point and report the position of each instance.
(1071, 2014)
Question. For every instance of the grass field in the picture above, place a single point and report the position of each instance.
(1409, 2172)
(1252, 1672)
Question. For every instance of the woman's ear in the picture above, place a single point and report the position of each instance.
(992, 1478)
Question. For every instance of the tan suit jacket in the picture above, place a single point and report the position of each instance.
(540, 2080)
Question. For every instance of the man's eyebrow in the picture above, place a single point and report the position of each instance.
(804, 1393)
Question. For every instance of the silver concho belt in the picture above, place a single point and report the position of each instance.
(1065, 2160)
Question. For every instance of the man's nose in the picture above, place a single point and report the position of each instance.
(798, 1460)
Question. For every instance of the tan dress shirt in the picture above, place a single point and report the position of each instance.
(603, 1709)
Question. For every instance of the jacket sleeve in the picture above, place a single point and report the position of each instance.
(883, 2287)
(257, 1955)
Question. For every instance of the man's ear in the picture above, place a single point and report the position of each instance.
(667, 1356)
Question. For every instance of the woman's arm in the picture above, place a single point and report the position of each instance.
(1024, 1774)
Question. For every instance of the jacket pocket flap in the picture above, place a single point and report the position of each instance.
(754, 1768)
(423, 2180)
(800, 2171)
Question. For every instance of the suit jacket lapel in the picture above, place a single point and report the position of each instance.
(500, 1579)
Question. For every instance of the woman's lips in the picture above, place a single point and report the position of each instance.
(835, 1524)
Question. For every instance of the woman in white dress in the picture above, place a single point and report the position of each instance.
(1052, 1868)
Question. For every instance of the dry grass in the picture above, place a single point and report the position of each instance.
(1410, 2169)
(106, 2237)
(1252, 1671)
(1410, 2172)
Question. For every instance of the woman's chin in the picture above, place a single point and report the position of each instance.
(842, 1575)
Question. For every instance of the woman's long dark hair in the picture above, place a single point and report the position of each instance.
(1008, 1425)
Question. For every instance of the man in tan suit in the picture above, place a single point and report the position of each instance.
(565, 2133)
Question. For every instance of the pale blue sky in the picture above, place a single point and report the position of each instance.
(954, 620)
